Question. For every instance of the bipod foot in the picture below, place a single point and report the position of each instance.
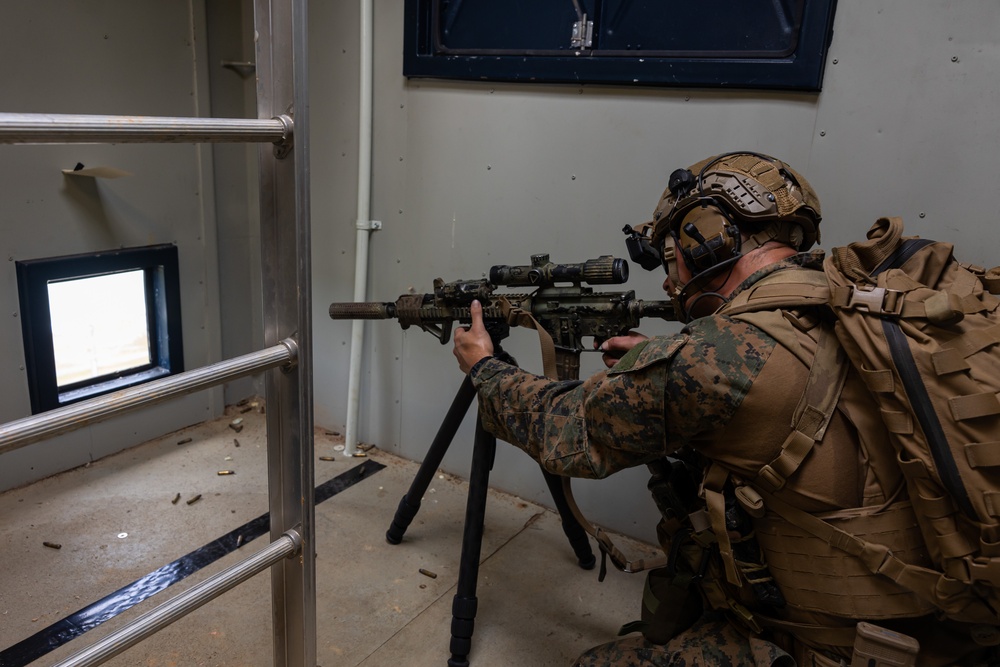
(463, 621)
(585, 557)
(404, 516)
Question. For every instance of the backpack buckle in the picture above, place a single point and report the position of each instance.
(877, 300)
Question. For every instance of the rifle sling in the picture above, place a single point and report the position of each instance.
(519, 317)
(618, 558)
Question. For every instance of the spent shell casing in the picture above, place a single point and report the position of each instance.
(194, 500)
(226, 472)
(52, 545)
(428, 573)
(176, 498)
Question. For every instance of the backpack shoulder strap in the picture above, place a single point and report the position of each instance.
(809, 422)
(828, 368)
(812, 415)
(787, 288)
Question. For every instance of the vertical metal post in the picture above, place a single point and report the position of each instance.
(281, 28)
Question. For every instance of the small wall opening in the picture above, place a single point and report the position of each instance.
(96, 323)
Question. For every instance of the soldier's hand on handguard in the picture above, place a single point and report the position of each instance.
(472, 343)
(616, 347)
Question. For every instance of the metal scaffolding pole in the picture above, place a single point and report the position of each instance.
(37, 128)
(178, 607)
(283, 120)
(17, 434)
(282, 57)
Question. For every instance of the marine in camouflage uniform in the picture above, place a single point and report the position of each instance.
(727, 390)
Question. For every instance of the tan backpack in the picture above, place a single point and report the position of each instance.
(923, 331)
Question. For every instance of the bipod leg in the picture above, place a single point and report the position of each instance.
(410, 503)
(571, 527)
(463, 608)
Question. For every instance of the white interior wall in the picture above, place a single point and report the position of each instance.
(116, 58)
(471, 174)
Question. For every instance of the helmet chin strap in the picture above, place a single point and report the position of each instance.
(685, 291)
(697, 283)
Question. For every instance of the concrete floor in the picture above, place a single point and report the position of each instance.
(116, 522)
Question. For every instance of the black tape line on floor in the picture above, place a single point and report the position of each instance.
(91, 616)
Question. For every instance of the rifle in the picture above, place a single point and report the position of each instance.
(563, 315)
(561, 308)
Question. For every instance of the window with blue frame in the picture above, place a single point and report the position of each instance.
(769, 44)
(95, 323)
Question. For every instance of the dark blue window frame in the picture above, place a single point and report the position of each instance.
(163, 320)
(751, 44)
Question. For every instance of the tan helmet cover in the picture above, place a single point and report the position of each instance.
(751, 188)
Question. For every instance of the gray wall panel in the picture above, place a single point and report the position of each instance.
(106, 57)
(470, 174)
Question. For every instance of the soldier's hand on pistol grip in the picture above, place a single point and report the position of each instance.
(472, 343)
(615, 347)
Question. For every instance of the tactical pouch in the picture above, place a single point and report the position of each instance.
(670, 605)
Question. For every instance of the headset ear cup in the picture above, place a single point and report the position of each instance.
(706, 237)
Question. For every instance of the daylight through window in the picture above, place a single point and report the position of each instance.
(99, 326)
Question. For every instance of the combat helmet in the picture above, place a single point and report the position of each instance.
(747, 192)
(721, 208)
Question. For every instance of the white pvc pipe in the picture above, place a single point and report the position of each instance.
(364, 225)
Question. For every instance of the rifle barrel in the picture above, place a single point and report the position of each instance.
(370, 310)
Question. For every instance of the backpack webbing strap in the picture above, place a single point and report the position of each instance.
(925, 583)
(827, 375)
(715, 480)
(942, 308)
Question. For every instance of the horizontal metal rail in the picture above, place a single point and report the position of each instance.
(38, 128)
(156, 619)
(17, 434)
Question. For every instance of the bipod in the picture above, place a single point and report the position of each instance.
(465, 603)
